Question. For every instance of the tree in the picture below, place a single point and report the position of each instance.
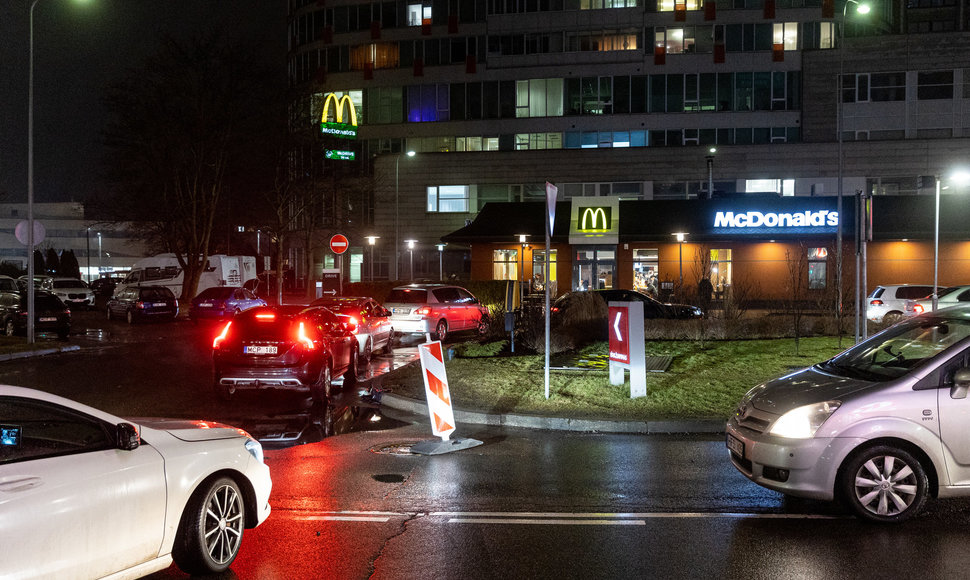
(39, 264)
(177, 127)
(69, 265)
(53, 262)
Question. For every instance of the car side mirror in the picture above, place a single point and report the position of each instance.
(126, 437)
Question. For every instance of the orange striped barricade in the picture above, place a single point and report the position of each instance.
(439, 404)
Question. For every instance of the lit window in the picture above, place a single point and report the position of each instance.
(505, 264)
(817, 262)
(720, 270)
(418, 14)
(786, 34)
(448, 199)
(671, 5)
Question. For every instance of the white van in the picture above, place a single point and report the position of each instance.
(164, 270)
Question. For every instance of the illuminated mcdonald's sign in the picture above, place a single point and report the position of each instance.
(337, 127)
(596, 219)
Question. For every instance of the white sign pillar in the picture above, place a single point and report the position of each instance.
(627, 346)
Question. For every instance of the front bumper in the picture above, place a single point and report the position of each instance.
(797, 467)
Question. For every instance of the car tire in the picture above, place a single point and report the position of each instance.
(321, 389)
(351, 375)
(892, 317)
(8, 328)
(483, 323)
(130, 316)
(211, 529)
(389, 345)
(368, 353)
(878, 496)
(441, 331)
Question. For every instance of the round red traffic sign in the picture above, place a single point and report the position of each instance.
(339, 244)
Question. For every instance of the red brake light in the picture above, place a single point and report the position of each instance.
(222, 336)
(876, 302)
(918, 308)
(353, 324)
(267, 317)
(140, 305)
(303, 338)
(423, 311)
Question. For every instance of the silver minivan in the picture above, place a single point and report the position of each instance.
(882, 425)
(435, 309)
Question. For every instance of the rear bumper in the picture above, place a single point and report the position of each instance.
(297, 379)
(412, 326)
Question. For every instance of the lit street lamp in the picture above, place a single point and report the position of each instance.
(860, 9)
(371, 241)
(397, 214)
(959, 177)
(710, 172)
(410, 244)
(681, 236)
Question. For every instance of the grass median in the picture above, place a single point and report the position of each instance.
(704, 381)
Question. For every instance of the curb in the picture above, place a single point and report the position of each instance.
(39, 352)
(559, 423)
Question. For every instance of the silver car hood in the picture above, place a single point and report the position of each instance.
(804, 387)
(191, 430)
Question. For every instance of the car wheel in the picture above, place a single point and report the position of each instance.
(321, 389)
(131, 317)
(441, 331)
(211, 528)
(221, 391)
(368, 353)
(8, 328)
(892, 317)
(389, 346)
(483, 323)
(885, 484)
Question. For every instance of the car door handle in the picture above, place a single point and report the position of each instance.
(20, 484)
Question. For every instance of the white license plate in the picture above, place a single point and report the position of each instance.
(205, 305)
(259, 349)
(160, 304)
(735, 445)
(402, 310)
(48, 319)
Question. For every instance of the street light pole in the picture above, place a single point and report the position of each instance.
(410, 244)
(371, 240)
(441, 261)
(30, 176)
(397, 214)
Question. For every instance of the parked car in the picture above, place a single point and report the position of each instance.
(72, 291)
(372, 322)
(8, 284)
(438, 309)
(295, 348)
(105, 286)
(888, 303)
(137, 303)
(135, 494)
(947, 297)
(882, 425)
(652, 308)
(221, 302)
(51, 316)
(39, 280)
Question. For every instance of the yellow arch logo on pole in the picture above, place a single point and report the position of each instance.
(338, 127)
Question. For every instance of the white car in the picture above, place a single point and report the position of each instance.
(436, 309)
(85, 494)
(882, 425)
(947, 297)
(372, 323)
(72, 291)
(888, 303)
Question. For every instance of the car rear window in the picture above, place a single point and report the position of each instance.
(156, 294)
(44, 302)
(913, 292)
(217, 293)
(408, 296)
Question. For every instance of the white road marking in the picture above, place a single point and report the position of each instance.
(534, 518)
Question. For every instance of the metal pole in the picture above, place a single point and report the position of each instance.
(936, 245)
(863, 281)
(397, 216)
(838, 208)
(30, 178)
(87, 245)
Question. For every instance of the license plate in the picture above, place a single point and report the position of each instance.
(206, 305)
(48, 319)
(259, 349)
(160, 304)
(735, 445)
(401, 310)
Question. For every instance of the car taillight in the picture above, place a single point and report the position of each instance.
(140, 305)
(918, 308)
(423, 311)
(303, 338)
(875, 302)
(554, 309)
(353, 324)
(222, 336)
(267, 317)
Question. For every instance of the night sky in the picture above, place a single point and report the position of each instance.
(80, 47)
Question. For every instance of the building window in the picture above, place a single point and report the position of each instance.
(505, 264)
(600, 4)
(418, 14)
(934, 85)
(527, 141)
(428, 103)
(675, 40)
(377, 55)
(786, 34)
(538, 279)
(671, 5)
(448, 199)
(721, 271)
(539, 98)
(817, 262)
(646, 270)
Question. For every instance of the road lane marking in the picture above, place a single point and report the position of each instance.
(544, 518)
(547, 522)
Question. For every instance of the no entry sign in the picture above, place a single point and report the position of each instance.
(339, 244)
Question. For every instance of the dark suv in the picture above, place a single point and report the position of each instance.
(136, 303)
(295, 348)
(50, 314)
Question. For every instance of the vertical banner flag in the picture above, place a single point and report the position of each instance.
(436, 389)
(552, 193)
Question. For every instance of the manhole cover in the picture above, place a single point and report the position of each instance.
(389, 478)
(402, 448)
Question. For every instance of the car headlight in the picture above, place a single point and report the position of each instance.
(803, 422)
(255, 449)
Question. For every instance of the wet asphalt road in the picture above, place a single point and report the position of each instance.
(349, 501)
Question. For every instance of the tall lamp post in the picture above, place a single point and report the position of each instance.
(681, 236)
(861, 9)
(410, 244)
(397, 213)
(371, 241)
(960, 177)
(441, 261)
(710, 172)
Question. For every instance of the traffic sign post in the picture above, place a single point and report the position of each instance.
(439, 404)
(627, 346)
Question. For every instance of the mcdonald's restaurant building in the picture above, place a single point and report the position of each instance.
(768, 246)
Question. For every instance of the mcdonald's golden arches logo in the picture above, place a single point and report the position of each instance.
(596, 219)
(339, 127)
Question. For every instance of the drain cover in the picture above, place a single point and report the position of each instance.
(401, 448)
(389, 478)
